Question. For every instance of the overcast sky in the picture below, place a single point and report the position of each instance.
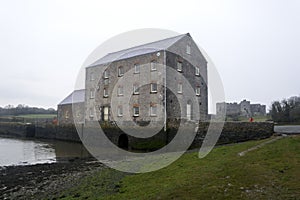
(254, 44)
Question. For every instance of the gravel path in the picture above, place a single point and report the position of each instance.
(260, 145)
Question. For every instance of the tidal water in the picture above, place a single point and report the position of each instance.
(27, 152)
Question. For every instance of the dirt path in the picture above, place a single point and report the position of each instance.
(260, 145)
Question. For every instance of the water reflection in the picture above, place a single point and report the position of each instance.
(24, 152)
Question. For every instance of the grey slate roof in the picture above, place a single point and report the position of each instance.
(139, 50)
(77, 96)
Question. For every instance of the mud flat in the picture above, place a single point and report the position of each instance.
(41, 181)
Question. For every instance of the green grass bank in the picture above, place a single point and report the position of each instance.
(269, 172)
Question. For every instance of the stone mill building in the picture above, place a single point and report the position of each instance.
(149, 82)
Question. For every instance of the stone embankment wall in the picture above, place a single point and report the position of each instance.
(232, 132)
(49, 131)
(13, 129)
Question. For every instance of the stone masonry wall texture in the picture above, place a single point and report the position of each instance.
(232, 132)
(97, 83)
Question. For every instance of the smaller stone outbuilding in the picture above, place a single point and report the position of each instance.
(65, 108)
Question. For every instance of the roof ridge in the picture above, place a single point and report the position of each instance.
(146, 44)
(70, 97)
(157, 45)
(77, 90)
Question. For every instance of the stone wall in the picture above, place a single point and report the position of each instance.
(65, 113)
(49, 131)
(66, 132)
(13, 129)
(96, 84)
(194, 59)
(232, 132)
(142, 79)
(177, 106)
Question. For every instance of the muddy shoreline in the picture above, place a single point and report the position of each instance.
(44, 181)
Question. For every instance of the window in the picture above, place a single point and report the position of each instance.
(106, 74)
(189, 110)
(78, 114)
(198, 91)
(153, 65)
(136, 69)
(120, 111)
(197, 71)
(179, 66)
(67, 114)
(179, 88)
(92, 76)
(188, 49)
(106, 81)
(120, 71)
(136, 89)
(105, 92)
(153, 87)
(120, 91)
(136, 111)
(105, 113)
(153, 110)
(91, 112)
(92, 94)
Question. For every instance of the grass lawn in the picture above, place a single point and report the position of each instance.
(270, 172)
(37, 116)
(259, 118)
(30, 116)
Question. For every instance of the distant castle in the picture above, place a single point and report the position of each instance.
(244, 108)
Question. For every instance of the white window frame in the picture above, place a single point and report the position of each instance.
(120, 91)
(179, 88)
(153, 65)
(120, 111)
(106, 74)
(197, 71)
(179, 66)
(153, 110)
(105, 93)
(136, 68)
(188, 49)
(106, 81)
(152, 88)
(91, 112)
(198, 91)
(78, 114)
(92, 94)
(106, 115)
(136, 89)
(120, 71)
(134, 109)
(67, 114)
(92, 77)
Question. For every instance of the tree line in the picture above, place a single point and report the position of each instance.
(286, 110)
(22, 109)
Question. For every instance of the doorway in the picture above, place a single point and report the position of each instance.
(105, 113)
(123, 141)
(189, 110)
